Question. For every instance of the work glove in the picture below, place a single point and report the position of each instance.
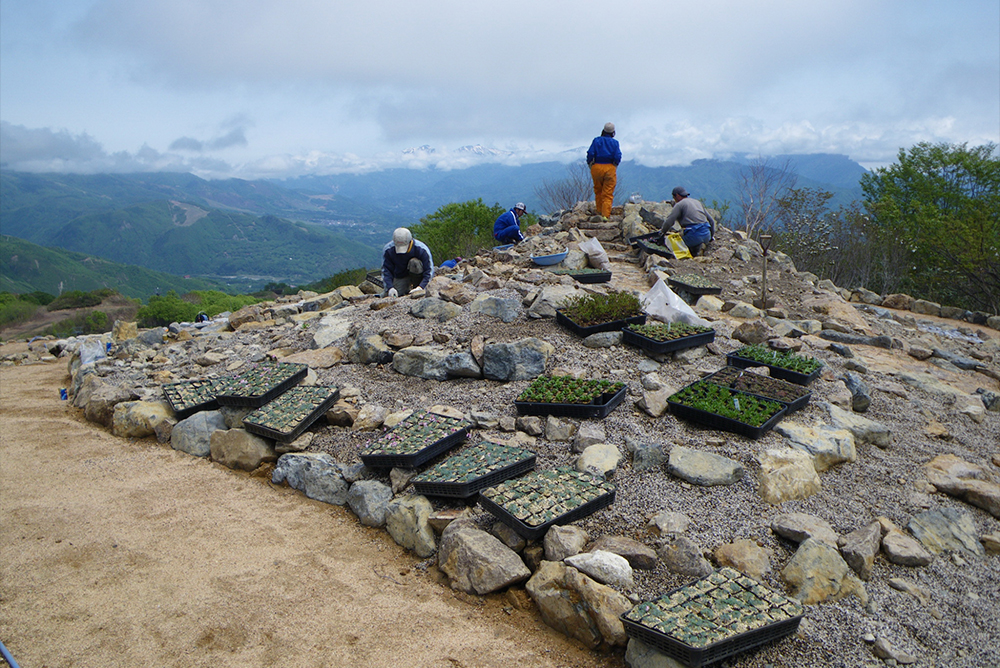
(416, 293)
(392, 293)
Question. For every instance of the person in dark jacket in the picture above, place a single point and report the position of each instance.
(697, 225)
(603, 156)
(507, 228)
(406, 264)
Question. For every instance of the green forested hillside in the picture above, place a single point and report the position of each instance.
(27, 267)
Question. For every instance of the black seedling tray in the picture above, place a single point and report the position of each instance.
(205, 396)
(410, 460)
(601, 407)
(611, 326)
(716, 421)
(662, 252)
(652, 236)
(587, 277)
(693, 289)
(375, 277)
(776, 371)
(529, 532)
(659, 347)
(292, 374)
(426, 484)
(792, 405)
(721, 649)
(288, 398)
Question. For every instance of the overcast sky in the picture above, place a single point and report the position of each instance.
(253, 88)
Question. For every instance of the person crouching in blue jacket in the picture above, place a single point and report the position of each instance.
(507, 229)
(406, 264)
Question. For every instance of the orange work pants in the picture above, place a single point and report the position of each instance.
(605, 178)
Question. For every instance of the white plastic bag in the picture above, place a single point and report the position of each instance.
(663, 304)
(92, 350)
(596, 254)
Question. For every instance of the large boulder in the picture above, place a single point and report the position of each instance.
(407, 520)
(785, 475)
(239, 449)
(521, 360)
(194, 434)
(421, 362)
(138, 419)
(477, 562)
(817, 572)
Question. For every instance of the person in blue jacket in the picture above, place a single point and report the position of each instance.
(507, 229)
(603, 157)
(406, 264)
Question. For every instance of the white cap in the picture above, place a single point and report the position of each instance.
(402, 238)
(520, 205)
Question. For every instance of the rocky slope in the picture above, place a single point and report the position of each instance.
(881, 496)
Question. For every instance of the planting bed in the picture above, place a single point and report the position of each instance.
(787, 366)
(775, 389)
(479, 467)
(730, 410)
(415, 441)
(531, 504)
(286, 417)
(258, 384)
(190, 396)
(570, 397)
(666, 337)
(721, 615)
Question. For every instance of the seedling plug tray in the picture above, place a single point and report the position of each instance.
(415, 441)
(719, 616)
(599, 407)
(532, 503)
(610, 326)
(776, 371)
(286, 417)
(190, 396)
(794, 395)
(694, 284)
(464, 475)
(634, 338)
(682, 409)
(584, 275)
(260, 383)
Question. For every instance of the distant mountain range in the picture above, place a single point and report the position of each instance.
(246, 233)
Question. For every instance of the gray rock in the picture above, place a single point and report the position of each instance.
(817, 573)
(888, 652)
(842, 350)
(462, 365)
(959, 361)
(507, 310)
(604, 567)
(752, 333)
(430, 308)
(944, 529)
(703, 468)
(746, 556)
(559, 430)
(421, 362)
(640, 655)
(860, 394)
(521, 360)
(603, 340)
(683, 556)
(99, 404)
(668, 521)
(799, 527)
(857, 340)
(864, 430)
(408, 521)
(904, 550)
(644, 455)
(233, 415)
(964, 480)
(194, 434)
(828, 446)
(508, 536)
(239, 449)
(601, 459)
(368, 500)
(638, 555)
(138, 419)
(478, 563)
(564, 541)
(530, 424)
(333, 328)
(860, 547)
(588, 434)
(369, 348)
(315, 474)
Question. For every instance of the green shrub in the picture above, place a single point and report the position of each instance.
(163, 310)
(461, 230)
(75, 299)
(15, 311)
(38, 297)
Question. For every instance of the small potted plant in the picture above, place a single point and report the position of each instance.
(588, 314)
(799, 369)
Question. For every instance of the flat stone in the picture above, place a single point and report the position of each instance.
(703, 468)
(799, 527)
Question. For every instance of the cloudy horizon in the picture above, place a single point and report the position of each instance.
(253, 89)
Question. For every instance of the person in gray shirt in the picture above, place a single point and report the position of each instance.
(697, 226)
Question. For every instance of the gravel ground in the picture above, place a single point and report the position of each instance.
(957, 627)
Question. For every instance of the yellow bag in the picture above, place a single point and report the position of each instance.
(675, 242)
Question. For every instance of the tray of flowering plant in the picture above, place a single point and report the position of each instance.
(570, 397)
(257, 384)
(481, 466)
(796, 396)
(534, 502)
(585, 275)
(287, 416)
(694, 284)
(190, 396)
(727, 409)
(798, 369)
(664, 337)
(721, 615)
(416, 440)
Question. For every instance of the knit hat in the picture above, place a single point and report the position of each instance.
(609, 128)
(401, 238)
(679, 192)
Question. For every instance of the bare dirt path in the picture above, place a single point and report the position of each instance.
(118, 553)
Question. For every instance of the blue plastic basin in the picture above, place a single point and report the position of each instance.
(555, 258)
